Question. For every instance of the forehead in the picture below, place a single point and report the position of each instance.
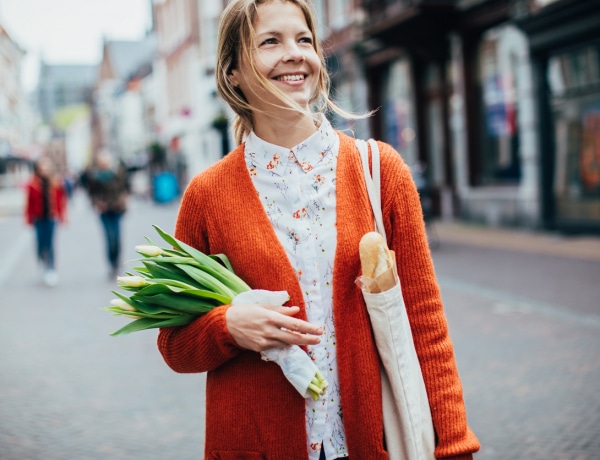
(278, 14)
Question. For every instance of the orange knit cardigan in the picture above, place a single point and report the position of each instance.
(252, 412)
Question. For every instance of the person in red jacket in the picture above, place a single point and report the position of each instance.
(288, 207)
(45, 206)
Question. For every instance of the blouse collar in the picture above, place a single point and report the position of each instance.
(307, 154)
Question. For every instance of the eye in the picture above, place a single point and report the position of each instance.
(269, 41)
(306, 40)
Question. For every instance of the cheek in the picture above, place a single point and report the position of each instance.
(314, 62)
(265, 61)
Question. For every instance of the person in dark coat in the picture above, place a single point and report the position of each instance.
(108, 190)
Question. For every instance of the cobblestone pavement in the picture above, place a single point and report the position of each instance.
(69, 391)
(526, 332)
(525, 321)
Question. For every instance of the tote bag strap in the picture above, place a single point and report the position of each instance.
(372, 179)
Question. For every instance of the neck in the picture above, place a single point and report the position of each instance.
(284, 131)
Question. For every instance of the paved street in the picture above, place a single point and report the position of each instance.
(524, 314)
(69, 391)
(526, 331)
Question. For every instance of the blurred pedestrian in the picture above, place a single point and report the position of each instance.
(108, 189)
(178, 163)
(45, 206)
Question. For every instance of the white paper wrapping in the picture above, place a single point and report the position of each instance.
(296, 365)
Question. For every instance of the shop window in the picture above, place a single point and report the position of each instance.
(499, 144)
(574, 81)
(435, 124)
(399, 111)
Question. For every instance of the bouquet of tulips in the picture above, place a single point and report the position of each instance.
(178, 284)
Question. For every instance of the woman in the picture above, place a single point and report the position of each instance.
(288, 207)
(45, 205)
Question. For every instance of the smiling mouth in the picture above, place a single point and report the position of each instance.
(290, 78)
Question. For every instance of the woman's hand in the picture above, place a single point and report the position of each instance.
(258, 327)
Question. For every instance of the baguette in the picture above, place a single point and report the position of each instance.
(375, 257)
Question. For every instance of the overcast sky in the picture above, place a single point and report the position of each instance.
(70, 31)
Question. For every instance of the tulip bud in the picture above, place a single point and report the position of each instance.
(149, 250)
(122, 305)
(125, 306)
(131, 281)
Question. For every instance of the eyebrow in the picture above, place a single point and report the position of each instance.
(278, 34)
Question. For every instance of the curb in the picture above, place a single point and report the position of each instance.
(519, 240)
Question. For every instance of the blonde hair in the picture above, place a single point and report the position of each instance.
(237, 40)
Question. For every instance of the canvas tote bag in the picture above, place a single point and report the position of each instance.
(408, 428)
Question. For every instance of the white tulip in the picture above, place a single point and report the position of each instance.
(122, 305)
(149, 250)
(131, 281)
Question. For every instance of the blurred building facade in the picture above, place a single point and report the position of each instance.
(63, 99)
(497, 99)
(63, 85)
(564, 43)
(119, 109)
(12, 98)
(186, 31)
(463, 88)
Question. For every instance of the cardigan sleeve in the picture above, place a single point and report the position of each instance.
(204, 344)
(406, 234)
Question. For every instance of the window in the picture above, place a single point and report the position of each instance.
(574, 83)
(398, 111)
(500, 56)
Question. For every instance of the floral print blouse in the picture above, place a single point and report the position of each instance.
(297, 189)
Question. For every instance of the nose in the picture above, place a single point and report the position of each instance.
(293, 53)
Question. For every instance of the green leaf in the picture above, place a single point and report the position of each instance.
(150, 242)
(174, 260)
(137, 325)
(209, 265)
(172, 284)
(181, 303)
(151, 289)
(162, 288)
(169, 271)
(146, 307)
(142, 271)
(224, 260)
(148, 323)
(209, 282)
(120, 311)
(166, 286)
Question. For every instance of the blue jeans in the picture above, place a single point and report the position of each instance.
(111, 221)
(44, 233)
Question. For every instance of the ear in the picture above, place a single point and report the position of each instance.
(234, 78)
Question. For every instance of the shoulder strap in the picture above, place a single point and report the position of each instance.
(372, 179)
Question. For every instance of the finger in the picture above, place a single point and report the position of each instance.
(296, 338)
(284, 310)
(301, 326)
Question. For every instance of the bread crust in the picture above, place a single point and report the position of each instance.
(375, 257)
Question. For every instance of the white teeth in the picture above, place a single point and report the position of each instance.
(290, 78)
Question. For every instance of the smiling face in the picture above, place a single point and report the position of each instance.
(284, 56)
